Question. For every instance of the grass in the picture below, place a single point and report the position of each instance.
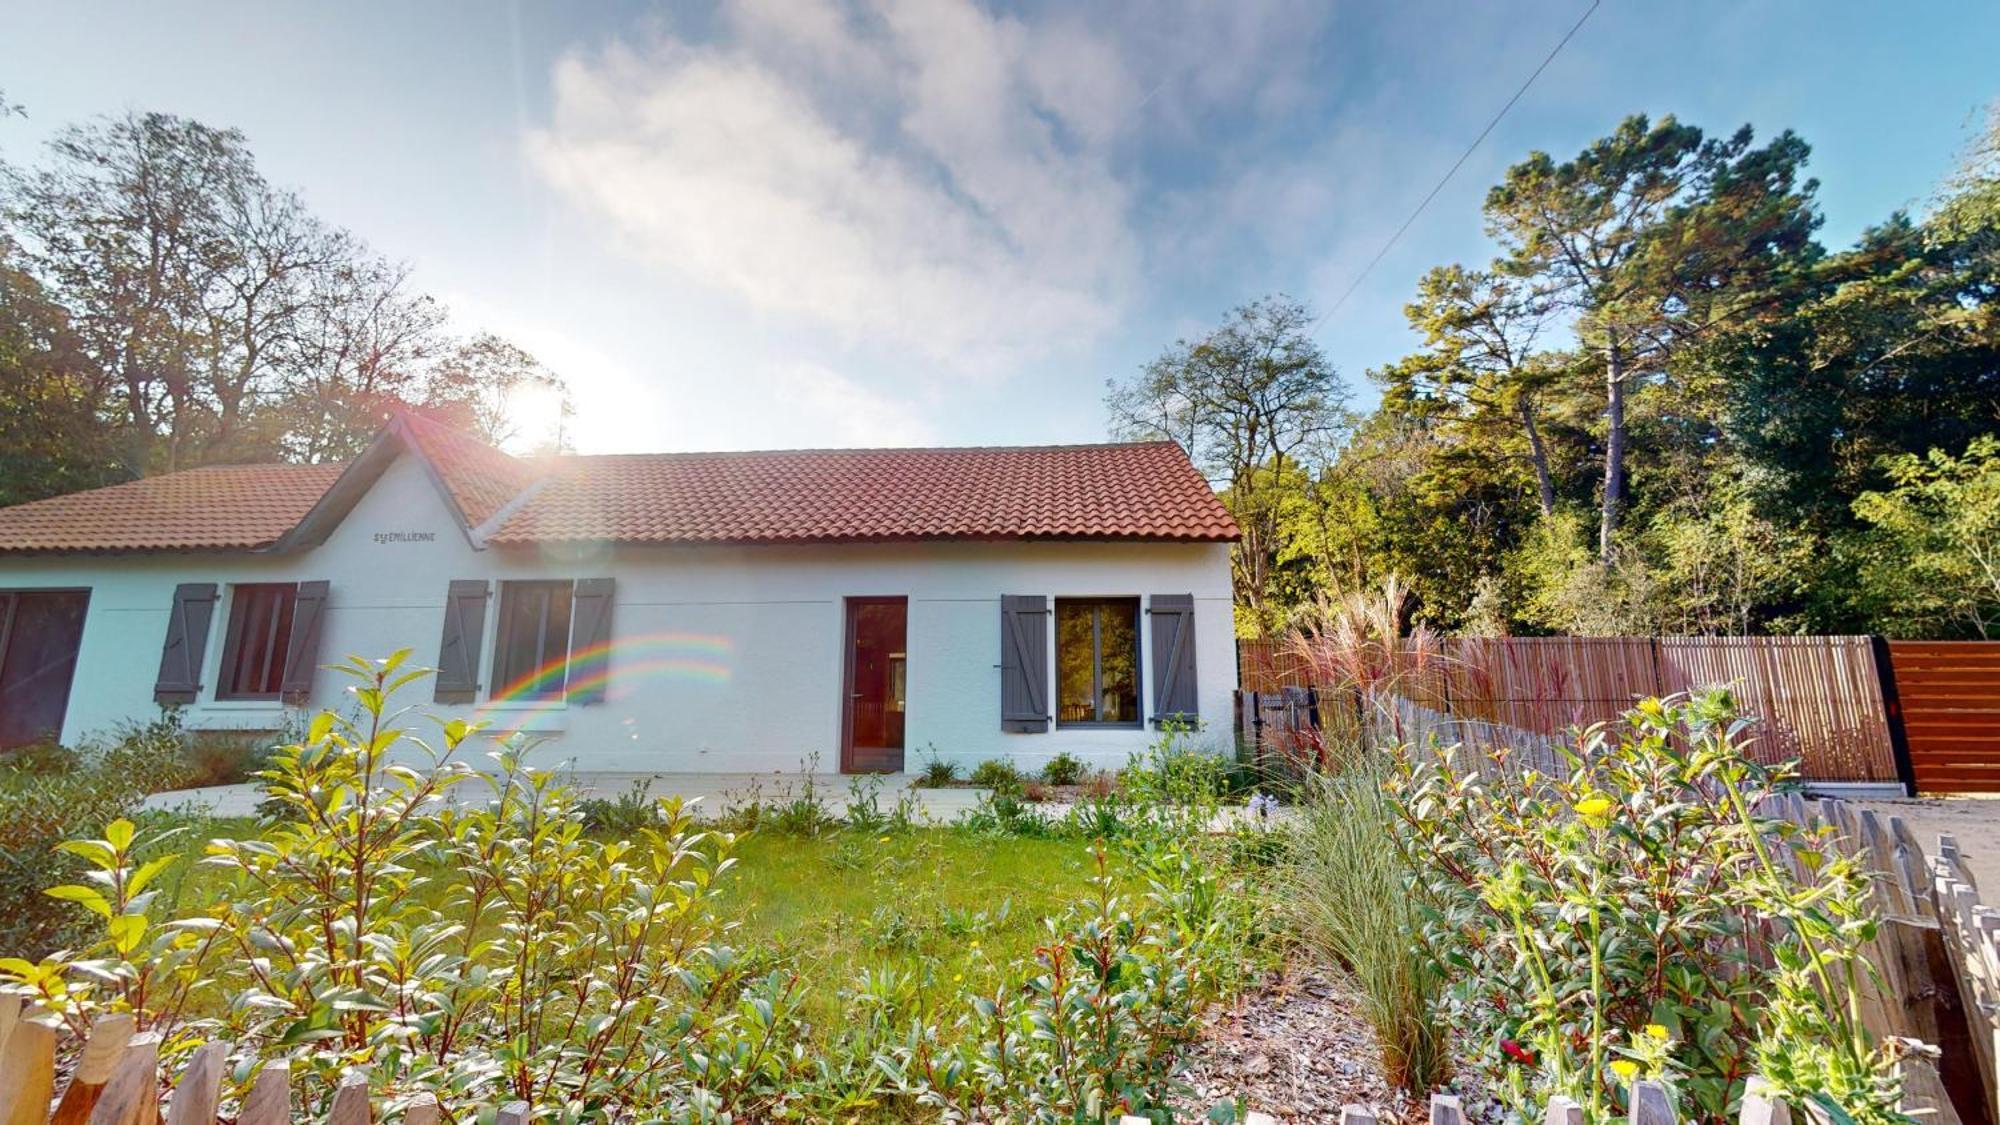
(945, 906)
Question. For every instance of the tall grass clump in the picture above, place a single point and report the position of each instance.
(1349, 898)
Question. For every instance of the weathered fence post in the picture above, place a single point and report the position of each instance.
(132, 1095)
(27, 1070)
(1446, 1109)
(1651, 1105)
(1563, 1111)
(270, 1099)
(101, 1052)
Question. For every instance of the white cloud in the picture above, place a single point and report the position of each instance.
(917, 175)
(828, 408)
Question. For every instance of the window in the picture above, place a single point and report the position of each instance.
(260, 633)
(532, 657)
(1097, 661)
(40, 631)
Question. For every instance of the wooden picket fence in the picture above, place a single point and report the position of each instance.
(116, 1081)
(1936, 953)
(1816, 699)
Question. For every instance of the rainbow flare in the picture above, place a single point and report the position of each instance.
(617, 668)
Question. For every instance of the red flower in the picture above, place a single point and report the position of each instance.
(1517, 1052)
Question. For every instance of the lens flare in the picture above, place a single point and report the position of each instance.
(617, 668)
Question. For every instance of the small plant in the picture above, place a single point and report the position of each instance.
(1063, 769)
(997, 774)
(627, 814)
(937, 772)
(864, 812)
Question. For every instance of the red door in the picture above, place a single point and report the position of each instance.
(877, 665)
(39, 634)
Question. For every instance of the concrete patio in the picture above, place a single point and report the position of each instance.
(715, 791)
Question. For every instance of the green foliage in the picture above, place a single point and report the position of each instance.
(1063, 769)
(1602, 923)
(497, 948)
(623, 815)
(1933, 565)
(1249, 401)
(937, 772)
(1349, 896)
(998, 774)
(49, 795)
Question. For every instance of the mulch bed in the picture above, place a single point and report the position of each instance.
(1297, 1048)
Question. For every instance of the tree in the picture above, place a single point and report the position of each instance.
(478, 387)
(1935, 559)
(219, 320)
(1648, 237)
(1246, 401)
(1481, 329)
(51, 439)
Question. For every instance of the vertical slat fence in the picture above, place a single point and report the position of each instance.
(1816, 699)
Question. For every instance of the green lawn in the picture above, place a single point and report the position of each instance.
(947, 906)
(938, 903)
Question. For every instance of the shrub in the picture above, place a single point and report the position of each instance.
(51, 795)
(997, 774)
(1347, 893)
(937, 773)
(1063, 769)
(223, 758)
(624, 815)
(1609, 924)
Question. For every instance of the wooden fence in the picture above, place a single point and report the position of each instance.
(117, 1081)
(1936, 953)
(1948, 695)
(1817, 699)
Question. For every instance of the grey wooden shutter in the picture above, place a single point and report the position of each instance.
(1176, 693)
(302, 653)
(590, 640)
(186, 643)
(1024, 663)
(458, 649)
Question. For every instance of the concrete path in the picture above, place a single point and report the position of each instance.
(715, 791)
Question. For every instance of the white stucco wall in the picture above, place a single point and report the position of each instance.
(725, 659)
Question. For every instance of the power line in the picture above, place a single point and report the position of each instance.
(1453, 170)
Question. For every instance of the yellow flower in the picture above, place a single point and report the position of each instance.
(1657, 1031)
(1625, 1068)
(1595, 811)
(883, 840)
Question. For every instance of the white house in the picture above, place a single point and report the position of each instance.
(678, 612)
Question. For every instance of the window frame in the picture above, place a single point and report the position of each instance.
(1137, 607)
(503, 634)
(276, 642)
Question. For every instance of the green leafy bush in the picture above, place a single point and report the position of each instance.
(624, 815)
(1063, 769)
(49, 795)
(1610, 924)
(997, 774)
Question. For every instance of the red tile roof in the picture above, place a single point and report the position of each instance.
(481, 478)
(1145, 490)
(224, 507)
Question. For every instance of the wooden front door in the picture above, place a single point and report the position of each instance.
(872, 720)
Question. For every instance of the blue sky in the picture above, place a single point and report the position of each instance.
(808, 222)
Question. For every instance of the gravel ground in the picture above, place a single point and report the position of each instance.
(1296, 1048)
